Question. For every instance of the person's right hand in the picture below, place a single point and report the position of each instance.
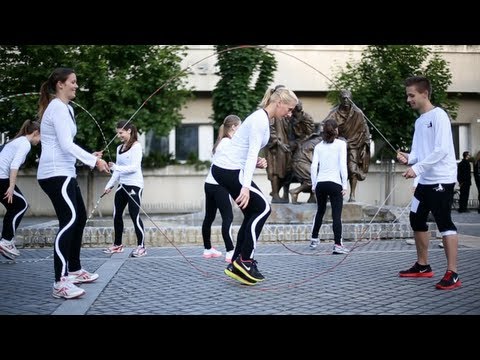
(402, 157)
(107, 190)
(244, 197)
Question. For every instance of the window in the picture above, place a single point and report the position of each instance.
(461, 139)
(186, 142)
(156, 144)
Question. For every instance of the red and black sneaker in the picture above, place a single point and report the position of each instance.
(449, 281)
(417, 270)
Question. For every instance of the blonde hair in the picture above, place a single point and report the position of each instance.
(278, 94)
(229, 122)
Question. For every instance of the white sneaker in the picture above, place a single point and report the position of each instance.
(410, 241)
(211, 253)
(440, 244)
(81, 276)
(139, 251)
(340, 249)
(314, 243)
(64, 288)
(8, 248)
(228, 256)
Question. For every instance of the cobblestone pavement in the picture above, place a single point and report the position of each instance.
(298, 281)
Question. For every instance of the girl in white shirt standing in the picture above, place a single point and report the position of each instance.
(128, 173)
(233, 169)
(11, 158)
(329, 179)
(57, 177)
(217, 197)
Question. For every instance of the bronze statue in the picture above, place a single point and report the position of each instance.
(287, 136)
(352, 126)
(302, 127)
(278, 155)
(301, 164)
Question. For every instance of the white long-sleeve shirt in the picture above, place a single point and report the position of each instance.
(329, 163)
(242, 152)
(59, 152)
(220, 146)
(13, 155)
(128, 168)
(433, 153)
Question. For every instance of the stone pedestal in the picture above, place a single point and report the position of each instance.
(303, 213)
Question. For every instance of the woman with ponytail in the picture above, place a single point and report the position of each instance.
(11, 158)
(57, 177)
(329, 180)
(217, 197)
(233, 169)
(128, 173)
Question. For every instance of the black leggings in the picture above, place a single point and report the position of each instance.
(217, 197)
(323, 190)
(131, 195)
(15, 210)
(67, 201)
(255, 214)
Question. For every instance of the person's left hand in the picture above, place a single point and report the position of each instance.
(409, 174)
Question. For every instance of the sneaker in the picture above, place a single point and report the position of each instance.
(81, 276)
(417, 270)
(64, 288)
(314, 243)
(211, 253)
(8, 248)
(248, 268)
(340, 249)
(449, 281)
(440, 244)
(6, 255)
(235, 274)
(139, 251)
(410, 241)
(228, 256)
(113, 249)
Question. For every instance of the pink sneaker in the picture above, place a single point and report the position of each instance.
(64, 288)
(8, 248)
(139, 251)
(211, 253)
(81, 276)
(113, 249)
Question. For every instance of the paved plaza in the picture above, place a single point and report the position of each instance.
(299, 281)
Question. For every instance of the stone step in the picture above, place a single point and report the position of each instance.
(100, 236)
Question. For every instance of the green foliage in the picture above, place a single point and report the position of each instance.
(377, 86)
(245, 75)
(192, 159)
(114, 81)
(158, 160)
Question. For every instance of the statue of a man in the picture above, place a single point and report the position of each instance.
(353, 126)
(278, 155)
(305, 139)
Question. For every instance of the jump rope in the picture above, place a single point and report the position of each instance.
(266, 226)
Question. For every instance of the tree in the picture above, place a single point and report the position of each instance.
(114, 81)
(245, 75)
(377, 86)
